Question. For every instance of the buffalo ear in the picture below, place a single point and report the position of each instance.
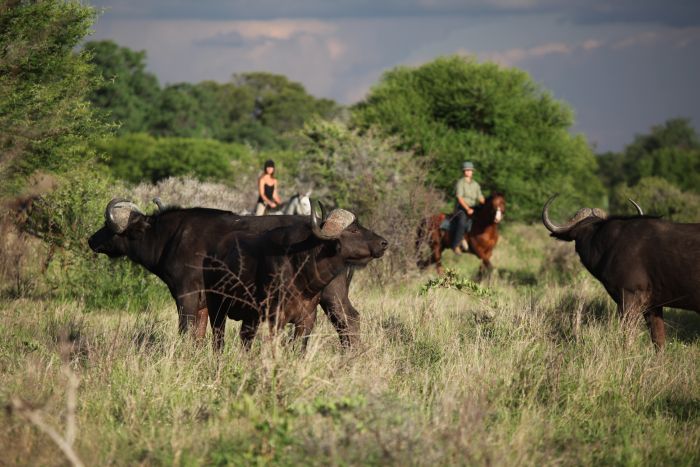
(138, 224)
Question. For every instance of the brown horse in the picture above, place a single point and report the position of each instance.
(481, 239)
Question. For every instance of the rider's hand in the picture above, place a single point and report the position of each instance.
(273, 205)
(470, 211)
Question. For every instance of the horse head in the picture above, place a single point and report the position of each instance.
(497, 203)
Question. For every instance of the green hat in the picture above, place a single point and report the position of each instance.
(467, 166)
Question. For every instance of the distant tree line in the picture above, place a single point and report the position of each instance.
(257, 109)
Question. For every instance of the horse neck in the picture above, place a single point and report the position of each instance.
(485, 216)
(292, 205)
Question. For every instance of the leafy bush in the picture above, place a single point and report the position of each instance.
(65, 219)
(670, 151)
(658, 196)
(140, 157)
(385, 188)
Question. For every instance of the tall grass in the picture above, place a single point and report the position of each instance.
(536, 371)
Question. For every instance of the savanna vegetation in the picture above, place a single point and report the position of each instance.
(532, 367)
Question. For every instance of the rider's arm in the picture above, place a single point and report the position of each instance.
(464, 205)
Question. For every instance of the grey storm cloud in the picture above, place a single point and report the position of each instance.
(673, 12)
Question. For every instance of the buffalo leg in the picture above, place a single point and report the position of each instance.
(655, 322)
(188, 310)
(344, 317)
(216, 307)
(249, 328)
(303, 329)
(218, 328)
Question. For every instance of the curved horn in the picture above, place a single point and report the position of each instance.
(639, 209)
(555, 229)
(324, 213)
(159, 203)
(318, 232)
(118, 212)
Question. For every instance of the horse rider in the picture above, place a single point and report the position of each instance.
(267, 189)
(468, 196)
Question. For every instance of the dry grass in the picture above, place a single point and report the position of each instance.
(538, 372)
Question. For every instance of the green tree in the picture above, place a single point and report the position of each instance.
(280, 104)
(670, 151)
(178, 113)
(456, 109)
(127, 91)
(46, 119)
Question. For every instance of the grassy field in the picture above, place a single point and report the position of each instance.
(533, 368)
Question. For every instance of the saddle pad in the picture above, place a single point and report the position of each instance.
(445, 225)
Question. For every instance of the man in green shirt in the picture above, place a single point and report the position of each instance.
(468, 194)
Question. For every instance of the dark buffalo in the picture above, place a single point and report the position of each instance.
(279, 275)
(645, 263)
(173, 243)
(482, 238)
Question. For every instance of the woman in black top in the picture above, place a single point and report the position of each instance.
(267, 189)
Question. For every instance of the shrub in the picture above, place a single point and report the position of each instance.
(657, 196)
(65, 218)
(384, 187)
(139, 157)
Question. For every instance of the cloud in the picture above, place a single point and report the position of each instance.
(675, 12)
(514, 56)
(253, 33)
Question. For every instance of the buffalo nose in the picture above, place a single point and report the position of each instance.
(384, 244)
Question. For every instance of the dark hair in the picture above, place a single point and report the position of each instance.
(269, 163)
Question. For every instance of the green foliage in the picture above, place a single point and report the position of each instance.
(452, 280)
(281, 104)
(366, 174)
(657, 196)
(455, 109)
(65, 219)
(45, 117)
(139, 157)
(357, 171)
(127, 90)
(670, 151)
(256, 109)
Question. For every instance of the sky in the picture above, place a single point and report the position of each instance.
(622, 65)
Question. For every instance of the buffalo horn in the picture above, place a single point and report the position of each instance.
(118, 212)
(159, 203)
(639, 209)
(337, 221)
(582, 214)
(555, 229)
